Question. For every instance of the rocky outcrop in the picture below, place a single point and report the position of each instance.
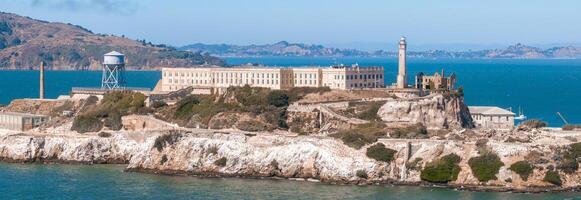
(434, 111)
(205, 152)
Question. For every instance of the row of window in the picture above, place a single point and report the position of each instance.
(480, 117)
(267, 75)
(222, 75)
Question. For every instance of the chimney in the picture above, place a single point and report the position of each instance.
(41, 89)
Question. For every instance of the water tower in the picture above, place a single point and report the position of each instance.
(113, 71)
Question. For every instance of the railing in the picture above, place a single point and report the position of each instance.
(87, 89)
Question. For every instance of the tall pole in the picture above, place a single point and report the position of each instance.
(41, 89)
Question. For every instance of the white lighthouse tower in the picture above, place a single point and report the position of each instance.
(402, 68)
(113, 71)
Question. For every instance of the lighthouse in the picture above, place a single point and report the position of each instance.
(402, 69)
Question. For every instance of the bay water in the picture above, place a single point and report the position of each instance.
(540, 87)
(54, 181)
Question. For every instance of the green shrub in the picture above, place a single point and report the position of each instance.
(442, 170)
(158, 104)
(485, 167)
(184, 107)
(166, 139)
(68, 105)
(534, 123)
(221, 162)
(413, 131)
(361, 174)
(553, 177)
(278, 98)
(104, 134)
(91, 100)
(297, 93)
(523, 168)
(574, 151)
(114, 122)
(370, 113)
(380, 153)
(253, 126)
(84, 124)
(361, 135)
(114, 105)
(568, 166)
(123, 102)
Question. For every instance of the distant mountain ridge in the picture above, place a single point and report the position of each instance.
(284, 48)
(25, 42)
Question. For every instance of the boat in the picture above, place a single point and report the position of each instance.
(521, 115)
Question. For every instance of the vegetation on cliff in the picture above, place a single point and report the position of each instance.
(362, 134)
(109, 111)
(442, 170)
(380, 153)
(486, 166)
(166, 139)
(523, 168)
(268, 107)
(553, 177)
(571, 157)
(413, 131)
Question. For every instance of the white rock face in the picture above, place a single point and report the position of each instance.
(434, 112)
(265, 155)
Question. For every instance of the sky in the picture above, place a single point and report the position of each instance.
(364, 24)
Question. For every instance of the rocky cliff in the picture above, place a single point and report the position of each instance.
(434, 111)
(203, 152)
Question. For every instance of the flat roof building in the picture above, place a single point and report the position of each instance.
(20, 121)
(336, 77)
(492, 117)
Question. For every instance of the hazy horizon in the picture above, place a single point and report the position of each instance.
(366, 25)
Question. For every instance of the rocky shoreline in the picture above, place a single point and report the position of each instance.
(300, 158)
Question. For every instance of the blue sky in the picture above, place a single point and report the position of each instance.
(344, 23)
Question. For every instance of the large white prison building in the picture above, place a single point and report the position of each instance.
(336, 77)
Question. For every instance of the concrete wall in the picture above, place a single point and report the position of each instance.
(20, 122)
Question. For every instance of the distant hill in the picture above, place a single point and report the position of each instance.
(296, 49)
(24, 42)
(282, 48)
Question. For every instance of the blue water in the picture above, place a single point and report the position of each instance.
(34, 181)
(24, 84)
(540, 87)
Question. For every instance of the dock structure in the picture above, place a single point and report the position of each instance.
(21, 121)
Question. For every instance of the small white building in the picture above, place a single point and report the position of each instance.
(20, 121)
(492, 117)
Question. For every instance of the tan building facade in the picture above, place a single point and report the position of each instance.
(435, 82)
(492, 117)
(337, 77)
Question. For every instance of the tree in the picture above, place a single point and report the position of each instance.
(278, 98)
